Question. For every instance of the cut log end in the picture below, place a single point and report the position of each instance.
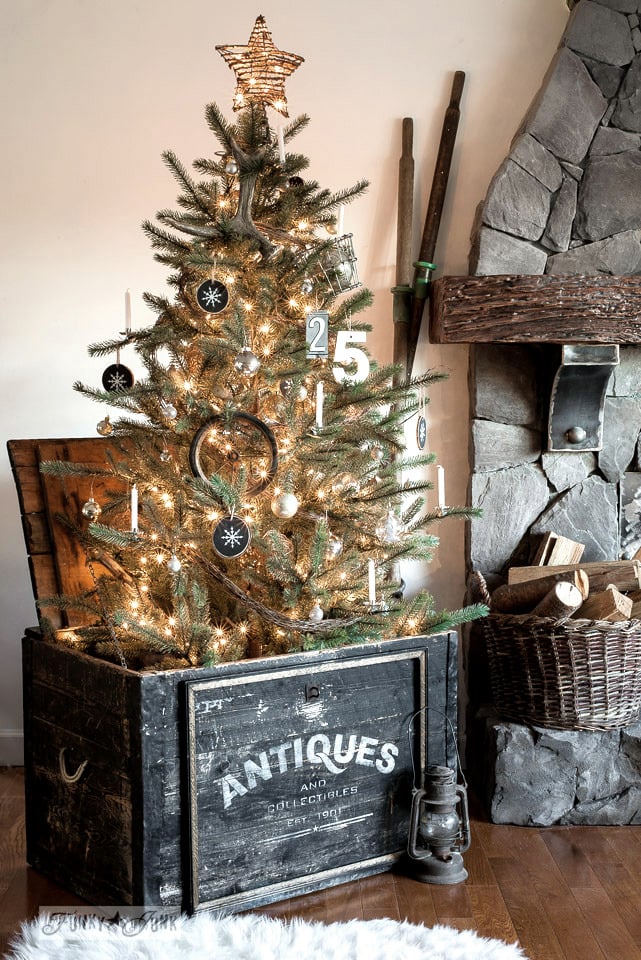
(560, 602)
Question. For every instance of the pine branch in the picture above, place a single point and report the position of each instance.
(83, 603)
(65, 468)
(449, 619)
(195, 200)
(341, 197)
(111, 398)
(279, 557)
(219, 126)
(114, 538)
(295, 126)
(160, 238)
(271, 616)
(151, 637)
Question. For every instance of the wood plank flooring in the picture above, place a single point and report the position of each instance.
(566, 893)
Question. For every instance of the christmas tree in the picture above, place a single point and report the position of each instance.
(270, 494)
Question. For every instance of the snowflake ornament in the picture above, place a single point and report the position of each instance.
(231, 537)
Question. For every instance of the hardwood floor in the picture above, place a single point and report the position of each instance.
(566, 893)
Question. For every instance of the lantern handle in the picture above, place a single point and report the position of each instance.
(451, 729)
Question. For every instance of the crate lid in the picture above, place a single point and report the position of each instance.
(57, 563)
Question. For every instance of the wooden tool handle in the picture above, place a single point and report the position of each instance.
(405, 206)
(435, 203)
(442, 170)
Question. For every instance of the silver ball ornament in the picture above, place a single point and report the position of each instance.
(334, 547)
(173, 564)
(284, 505)
(246, 362)
(231, 166)
(165, 456)
(307, 286)
(91, 509)
(389, 528)
(105, 427)
(316, 614)
(168, 410)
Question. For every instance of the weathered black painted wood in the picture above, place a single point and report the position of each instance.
(119, 833)
(299, 774)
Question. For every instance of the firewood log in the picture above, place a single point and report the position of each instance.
(555, 550)
(624, 574)
(609, 604)
(560, 603)
(522, 597)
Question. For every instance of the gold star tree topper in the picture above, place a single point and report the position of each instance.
(260, 69)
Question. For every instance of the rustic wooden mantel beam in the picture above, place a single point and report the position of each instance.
(535, 309)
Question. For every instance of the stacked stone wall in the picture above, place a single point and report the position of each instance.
(567, 198)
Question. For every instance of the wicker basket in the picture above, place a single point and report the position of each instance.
(571, 675)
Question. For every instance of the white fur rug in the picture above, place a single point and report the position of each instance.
(249, 937)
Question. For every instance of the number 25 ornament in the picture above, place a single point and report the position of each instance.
(345, 353)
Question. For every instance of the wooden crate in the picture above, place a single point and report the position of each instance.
(189, 794)
(229, 786)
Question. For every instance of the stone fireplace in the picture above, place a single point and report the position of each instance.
(565, 203)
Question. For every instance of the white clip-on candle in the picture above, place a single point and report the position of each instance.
(320, 399)
(134, 508)
(128, 311)
(440, 482)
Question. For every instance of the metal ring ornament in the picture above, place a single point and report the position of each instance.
(257, 441)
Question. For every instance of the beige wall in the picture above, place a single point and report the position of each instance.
(94, 90)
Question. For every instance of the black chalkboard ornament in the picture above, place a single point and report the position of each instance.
(231, 537)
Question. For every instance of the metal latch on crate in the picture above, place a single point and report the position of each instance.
(578, 396)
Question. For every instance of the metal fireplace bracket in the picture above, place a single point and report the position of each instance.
(578, 396)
